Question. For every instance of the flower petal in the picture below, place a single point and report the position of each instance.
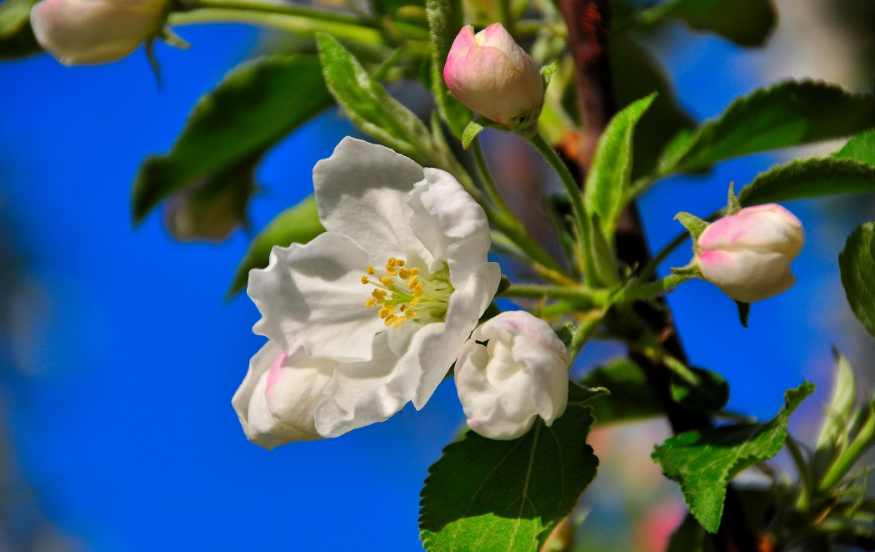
(361, 192)
(437, 345)
(450, 224)
(311, 296)
(364, 393)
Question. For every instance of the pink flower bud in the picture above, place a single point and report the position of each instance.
(748, 254)
(492, 75)
(79, 32)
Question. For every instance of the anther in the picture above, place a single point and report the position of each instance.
(371, 270)
(403, 308)
(414, 302)
(399, 262)
(414, 271)
(387, 281)
(391, 261)
(404, 273)
(412, 281)
(379, 293)
(390, 319)
(399, 321)
(410, 314)
(386, 311)
(371, 301)
(364, 279)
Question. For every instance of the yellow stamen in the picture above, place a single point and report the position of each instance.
(387, 281)
(410, 314)
(411, 283)
(404, 273)
(417, 293)
(390, 319)
(364, 279)
(393, 271)
(386, 311)
(399, 262)
(414, 271)
(399, 321)
(414, 302)
(371, 301)
(391, 261)
(379, 293)
(371, 270)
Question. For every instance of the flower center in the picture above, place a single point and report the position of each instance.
(405, 294)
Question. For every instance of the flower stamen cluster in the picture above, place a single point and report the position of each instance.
(406, 287)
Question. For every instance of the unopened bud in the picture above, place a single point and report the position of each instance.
(493, 76)
(78, 32)
(519, 374)
(748, 254)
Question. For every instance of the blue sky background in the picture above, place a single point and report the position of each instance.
(125, 424)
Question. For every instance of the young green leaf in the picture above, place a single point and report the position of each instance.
(254, 107)
(630, 399)
(445, 19)
(470, 133)
(298, 224)
(861, 147)
(710, 394)
(506, 496)
(807, 178)
(745, 22)
(694, 225)
(704, 462)
(834, 433)
(787, 114)
(16, 35)
(610, 176)
(857, 265)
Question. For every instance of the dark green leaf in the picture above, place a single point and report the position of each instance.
(610, 175)
(299, 224)
(710, 394)
(630, 398)
(254, 107)
(704, 462)
(16, 34)
(861, 147)
(637, 73)
(506, 496)
(807, 178)
(745, 22)
(787, 114)
(566, 333)
(690, 536)
(445, 19)
(857, 264)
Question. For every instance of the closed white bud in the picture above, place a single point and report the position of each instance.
(519, 374)
(748, 254)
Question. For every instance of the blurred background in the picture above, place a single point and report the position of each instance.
(119, 356)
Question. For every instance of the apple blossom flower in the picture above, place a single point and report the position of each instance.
(80, 32)
(389, 292)
(493, 76)
(748, 254)
(512, 370)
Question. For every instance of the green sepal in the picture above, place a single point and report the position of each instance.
(692, 270)
(733, 205)
(694, 225)
(547, 73)
(470, 133)
(566, 333)
(743, 312)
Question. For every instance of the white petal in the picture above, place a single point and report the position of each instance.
(361, 192)
(311, 296)
(364, 393)
(295, 387)
(451, 225)
(437, 345)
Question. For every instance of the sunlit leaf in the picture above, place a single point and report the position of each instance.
(807, 178)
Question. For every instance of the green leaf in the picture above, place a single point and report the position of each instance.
(506, 496)
(704, 462)
(636, 74)
(861, 147)
(857, 265)
(808, 178)
(16, 35)
(690, 536)
(390, 7)
(835, 431)
(787, 114)
(710, 394)
(610, 176)
(470, 133)
(630, 398)
(745, 22)
(299, 224)
(694, 225)
(445, 19)
(254, 107)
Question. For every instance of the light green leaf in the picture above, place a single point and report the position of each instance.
(745, 22)
(254, 107)
(636, 74)
(506, 496)
(807, 178)
(610, 175)
(445, 19)
(704, 462)
(630, 398)
(861, 147)
(16, 35)
(787, 114)
(709, 394)
(299, 224)
(470, 133)
(834, 433)
(857, 265)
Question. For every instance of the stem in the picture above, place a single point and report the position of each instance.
(585, 241)
(580, 297)
(804, 473)
(651, 290)
(486, 177)
(846, 461)
(585, 331)
(654, 263)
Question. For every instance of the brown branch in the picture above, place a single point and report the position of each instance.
(588, 23)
